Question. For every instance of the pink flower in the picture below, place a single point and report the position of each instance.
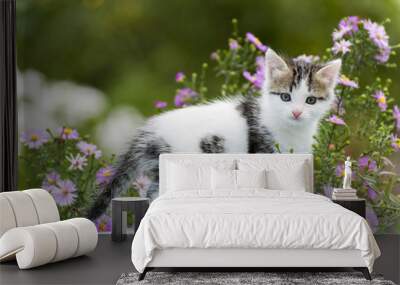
(365, 161)
(342, 46)
(103, 223)
(184, 96)
(160, 104)
(395, 142)
(233, 44)
(88, 149)
(256, 42)
(381, 100)
(396, 116)
(77, 162)
(179, 77)
(104, 175)
(345, 81)
(34, 139)
(67, 133)
(142, 184)
(336, 120)
(65, 193)
(376, 33)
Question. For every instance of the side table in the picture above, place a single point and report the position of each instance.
(120, 206)
(355, 205)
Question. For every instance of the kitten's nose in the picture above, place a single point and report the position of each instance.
(296, 114)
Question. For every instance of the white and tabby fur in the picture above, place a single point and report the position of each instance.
(233, 125)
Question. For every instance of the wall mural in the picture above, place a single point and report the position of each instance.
(276, 111)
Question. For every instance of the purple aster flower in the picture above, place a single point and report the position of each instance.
(336, 120)
(77, 162)
(103, 223)
(328, 190)
(34, 139)
(340, 33)
(249, 77)
(104, 175)
(395, 142)
(365, 161)
(345, 81)
(233, 44)
(383, 55)
(339, 172)
(257, 78)
(184, 96)
(88, 149)
(381, 100)
(160, 104)
(142, 184)
(396, 116)
(376, 33)
(256, 42)
(342, 46)
(372, 218)
(180, 76)
(372, 193)
(350, 23)
(68, 133)
(307, 58)
(65, 193)
(51, 179)
(346, 26)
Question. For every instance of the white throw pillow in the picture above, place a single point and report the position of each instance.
(188, 177)
(251, 178)
(223, 179)
(282, 173)
(293, 179)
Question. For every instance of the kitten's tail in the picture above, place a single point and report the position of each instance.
(141, 158)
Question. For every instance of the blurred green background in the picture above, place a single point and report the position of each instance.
(131, 49)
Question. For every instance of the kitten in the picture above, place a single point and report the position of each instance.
(295, 96)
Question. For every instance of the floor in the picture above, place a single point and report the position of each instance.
(103, 266)
(111, 259)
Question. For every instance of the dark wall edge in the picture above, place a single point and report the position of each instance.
(8, 97)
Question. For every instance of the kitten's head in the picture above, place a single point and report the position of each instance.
(297, 91)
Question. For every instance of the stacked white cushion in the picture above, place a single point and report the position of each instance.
(7, 218)
(31, 232)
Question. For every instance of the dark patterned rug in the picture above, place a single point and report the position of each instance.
(243, 278)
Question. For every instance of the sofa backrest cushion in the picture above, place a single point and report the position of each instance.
(26, 208)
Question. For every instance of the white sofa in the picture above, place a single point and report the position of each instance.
(31, 231)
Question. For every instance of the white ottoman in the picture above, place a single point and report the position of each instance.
(31, 232)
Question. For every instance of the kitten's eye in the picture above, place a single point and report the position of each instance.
(285, 97)
(311, 100)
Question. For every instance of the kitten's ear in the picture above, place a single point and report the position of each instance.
(275, 66)
(328, 74)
